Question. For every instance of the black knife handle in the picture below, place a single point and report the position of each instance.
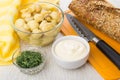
(109, 52)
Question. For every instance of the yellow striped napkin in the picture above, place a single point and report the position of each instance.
(9, 41)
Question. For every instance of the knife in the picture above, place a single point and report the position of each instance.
(83, 31)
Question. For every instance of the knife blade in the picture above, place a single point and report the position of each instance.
(112, 54)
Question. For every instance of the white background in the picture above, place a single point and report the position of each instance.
(52, 71)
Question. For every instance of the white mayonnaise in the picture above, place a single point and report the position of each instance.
(70, 50)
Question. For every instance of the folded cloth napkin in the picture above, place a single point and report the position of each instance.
(97, 59)
(9, 41)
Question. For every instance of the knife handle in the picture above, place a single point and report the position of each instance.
(109, 52)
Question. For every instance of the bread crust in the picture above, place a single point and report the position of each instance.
(100, 14)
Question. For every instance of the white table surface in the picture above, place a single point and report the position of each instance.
(52, 71)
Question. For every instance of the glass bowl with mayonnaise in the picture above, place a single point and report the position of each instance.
(70, 52)
(38, 23)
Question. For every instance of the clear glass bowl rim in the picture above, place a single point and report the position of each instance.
(13, 61)
(57, 26)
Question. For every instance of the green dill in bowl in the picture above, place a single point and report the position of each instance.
(29, 59)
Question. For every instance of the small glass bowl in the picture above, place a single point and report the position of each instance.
(33, 70)
(41, 38)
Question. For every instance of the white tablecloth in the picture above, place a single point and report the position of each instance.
(52, 71)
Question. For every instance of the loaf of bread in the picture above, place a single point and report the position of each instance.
(100, 14)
